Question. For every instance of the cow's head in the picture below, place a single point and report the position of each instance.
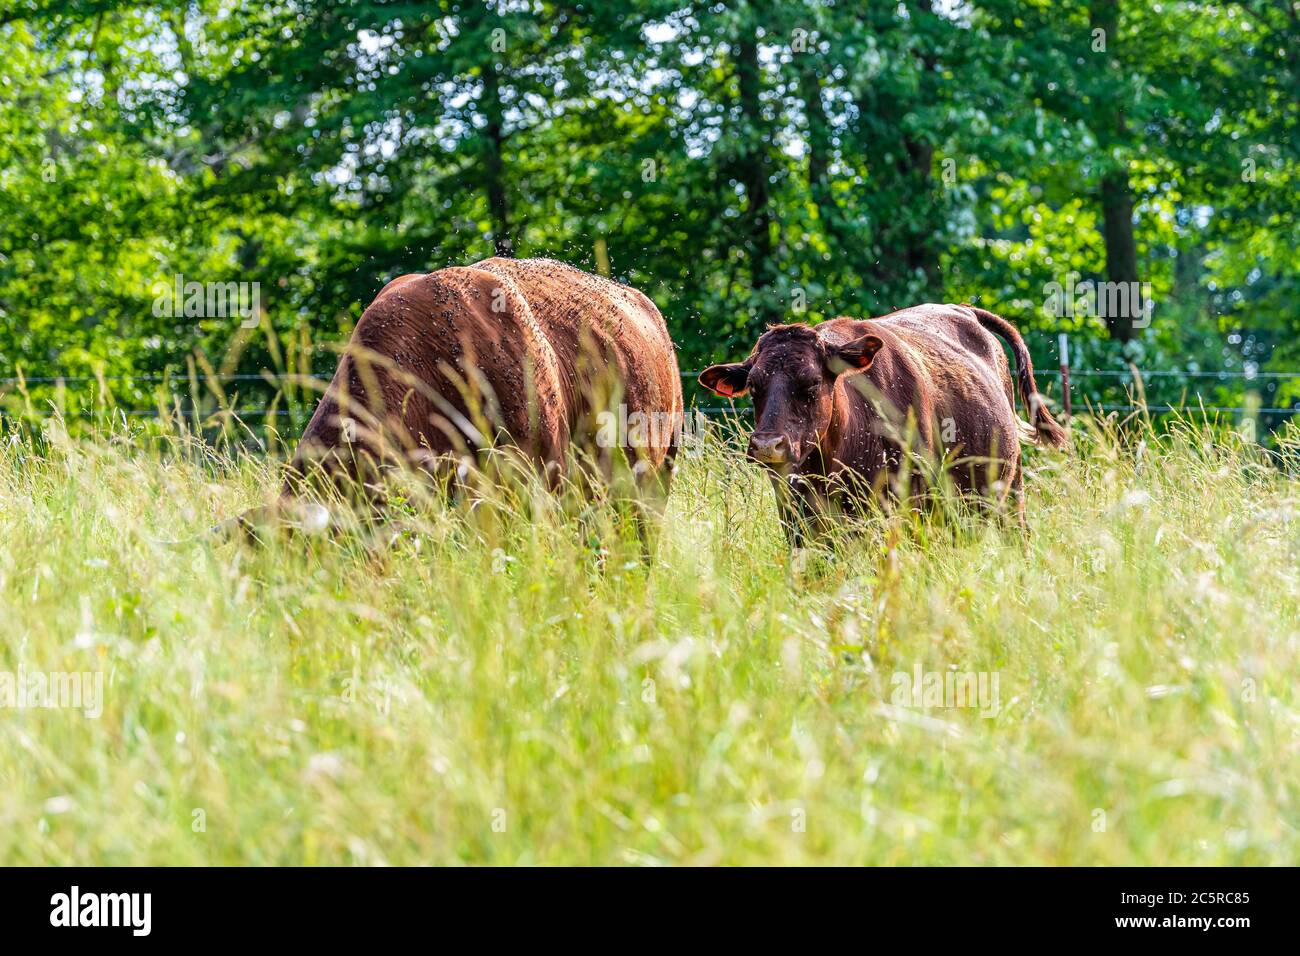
(791, 375)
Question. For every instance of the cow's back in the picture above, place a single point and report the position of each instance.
(949, 337)
(939, 365)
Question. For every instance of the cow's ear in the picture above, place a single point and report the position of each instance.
(729, 381)
(855, 356)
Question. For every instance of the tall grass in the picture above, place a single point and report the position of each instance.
(512, 680)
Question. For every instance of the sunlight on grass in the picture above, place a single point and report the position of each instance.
(512, 682)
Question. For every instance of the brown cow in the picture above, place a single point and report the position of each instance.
(852, 405)
(525, 352)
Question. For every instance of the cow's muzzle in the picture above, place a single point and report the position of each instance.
(773, 450)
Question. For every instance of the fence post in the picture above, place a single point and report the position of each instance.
(1063, 344)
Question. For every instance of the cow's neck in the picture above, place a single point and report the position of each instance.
(840, 426)
(850, 440)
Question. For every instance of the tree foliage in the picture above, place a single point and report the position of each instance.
(744, 163)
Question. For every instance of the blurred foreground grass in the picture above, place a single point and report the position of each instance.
(516, 684)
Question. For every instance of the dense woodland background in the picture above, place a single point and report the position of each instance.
(742, 163)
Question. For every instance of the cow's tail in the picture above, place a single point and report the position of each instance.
(1047, 428)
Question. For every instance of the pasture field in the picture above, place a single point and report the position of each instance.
(515, 683)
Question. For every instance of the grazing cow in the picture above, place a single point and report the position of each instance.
(523, 352)
(852, 406)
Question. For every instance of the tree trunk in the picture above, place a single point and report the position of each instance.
(907, 245)
(753, 174)
(921, 253)
(1116, 193)
(819, 147)
(494, 166)
(1121, 250)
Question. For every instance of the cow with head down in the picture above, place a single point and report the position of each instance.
(529, 354)
(854, 410)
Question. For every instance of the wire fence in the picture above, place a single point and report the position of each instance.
(1224, 374)
(1122, 377)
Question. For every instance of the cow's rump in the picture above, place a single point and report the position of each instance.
(525, 352)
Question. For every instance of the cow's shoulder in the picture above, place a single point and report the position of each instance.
(842, 329)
